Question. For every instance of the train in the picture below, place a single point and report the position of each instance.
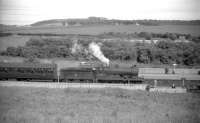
(50, 72)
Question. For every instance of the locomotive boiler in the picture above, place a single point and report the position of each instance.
(101, 74)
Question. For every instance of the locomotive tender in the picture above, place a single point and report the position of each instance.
(38, 71)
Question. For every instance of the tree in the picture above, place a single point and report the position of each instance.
(172, 36)
(144, 56)
(31, 59)
(12, 51)
(145, 35)
(164, 44)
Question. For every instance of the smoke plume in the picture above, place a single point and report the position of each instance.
(76, 47)
(96, 51)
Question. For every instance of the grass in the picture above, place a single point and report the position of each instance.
(97, 29)
(40, 105)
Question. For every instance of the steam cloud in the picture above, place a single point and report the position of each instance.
(76, 47)
(96, 51)
(93, 49)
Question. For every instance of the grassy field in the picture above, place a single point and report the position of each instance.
(13, 41)
(90, 30)
(93, 30)
(40, 105)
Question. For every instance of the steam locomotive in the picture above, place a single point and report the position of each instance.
(50, 72)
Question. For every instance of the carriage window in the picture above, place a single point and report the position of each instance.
(10, 69)
(1, 69)
(14, 69)
(46, 70)
(41, 70)
(5, 69)
(26, 70)
(37, 70)
(20, 70)
(49, 70)
(29, 70)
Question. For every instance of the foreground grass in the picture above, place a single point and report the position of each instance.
(40, 105)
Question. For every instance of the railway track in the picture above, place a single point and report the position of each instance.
(72, 85)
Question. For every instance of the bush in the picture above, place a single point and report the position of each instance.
(199, 72)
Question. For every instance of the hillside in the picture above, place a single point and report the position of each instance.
(99, 25)
(70, 22)
(103, 21)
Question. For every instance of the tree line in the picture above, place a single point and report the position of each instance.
(163, 52)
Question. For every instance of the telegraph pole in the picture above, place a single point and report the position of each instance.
(58, 74)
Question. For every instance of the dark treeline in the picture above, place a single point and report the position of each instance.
(145, 35)
(5, 34)
(150, 35)
(163, 52)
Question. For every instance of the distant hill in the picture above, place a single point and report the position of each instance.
(99, 25)
(105, 21)
(71, 22)
(4, 27)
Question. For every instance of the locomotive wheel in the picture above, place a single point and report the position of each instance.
(62, 80)
(90, 81)
(70, 80)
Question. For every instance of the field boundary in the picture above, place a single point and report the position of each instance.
(54, 85)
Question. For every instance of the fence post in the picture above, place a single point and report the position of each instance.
(183, 82)
(155, 83)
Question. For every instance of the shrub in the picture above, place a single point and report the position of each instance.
(199, 72)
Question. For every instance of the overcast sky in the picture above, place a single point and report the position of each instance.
(23, 12)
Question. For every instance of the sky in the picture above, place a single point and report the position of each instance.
(23, 12)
